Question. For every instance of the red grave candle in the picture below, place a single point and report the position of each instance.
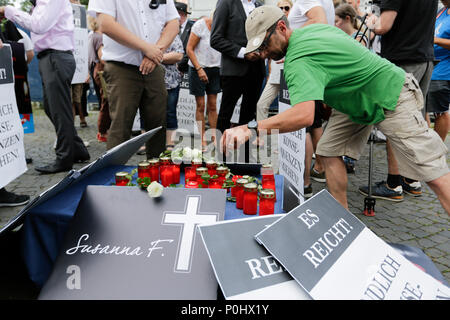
(143, 169)
(166, 175)
(240, 193)
(176, 173)
(268, 178)
(192, 185)
(222, 173)
(233, 190)
(200, 172)
(267, 202)
(215, 183)
(154, 169)
(251, 198)
(189, 174)
(212, 166)
(121, 178)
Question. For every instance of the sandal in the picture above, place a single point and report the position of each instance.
(141, 151)
(83, 124)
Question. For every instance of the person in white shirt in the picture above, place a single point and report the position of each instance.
(136, 33)
(204, 74)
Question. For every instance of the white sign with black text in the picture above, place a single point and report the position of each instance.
(333, 255)
(81, 44)
(12, 152)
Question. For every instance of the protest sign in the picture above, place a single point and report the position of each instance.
(333, 255)
(12, 153)
(81, 44)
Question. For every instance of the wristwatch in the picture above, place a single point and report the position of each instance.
(253, 125)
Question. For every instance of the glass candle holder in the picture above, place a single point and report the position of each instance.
(268, 178)
(266, 202)
(251, 198)
(191, 184)
(212, 166)
(233, 189)
(200, 172)
(176, 173)
(215, 183)
(240, 193)
(196, 163)
(189, 174)
(166, 174)
(121, 178)
(154, 169)
(143, 169)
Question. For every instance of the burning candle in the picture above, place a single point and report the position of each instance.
(215, 183)
(189, 174)
(143, 169)
(240, 193)
(192, 185)
(154, 169)
(200, 172)
(166, 175)
(267, 202)
(121, 178)
(250, 198)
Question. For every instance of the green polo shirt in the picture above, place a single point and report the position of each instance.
(324, 63)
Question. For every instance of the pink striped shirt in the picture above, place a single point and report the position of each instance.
(51, 24)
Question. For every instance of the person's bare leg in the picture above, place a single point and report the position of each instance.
(336, 174)
(211, 109)
(316, 134)
(308, 160)
(441, 186)
(442, 124)
(200, 115)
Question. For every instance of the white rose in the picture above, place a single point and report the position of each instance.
(187, 153)
(196, 154)
(155, 190)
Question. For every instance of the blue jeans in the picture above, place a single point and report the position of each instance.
(172, 101)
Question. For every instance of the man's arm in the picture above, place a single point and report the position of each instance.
(41, 20)
(299, 116)
(384, 23)
(109, 26)
(442, 42)
(168, 34)
(316, 15)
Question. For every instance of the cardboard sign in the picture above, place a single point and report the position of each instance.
(333, 255)
(81, 44)
(244, 269)
(122, 244)
(291, 150)
(12, 153)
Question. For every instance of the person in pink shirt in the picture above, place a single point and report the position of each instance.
(52, 32)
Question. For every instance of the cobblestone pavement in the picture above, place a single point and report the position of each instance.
(420, 222)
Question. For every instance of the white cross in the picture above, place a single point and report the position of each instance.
(189, 219)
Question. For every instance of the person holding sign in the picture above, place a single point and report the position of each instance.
(51, 25)
(135, 36)
(371, 91)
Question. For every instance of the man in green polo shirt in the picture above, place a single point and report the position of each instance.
(324, 63)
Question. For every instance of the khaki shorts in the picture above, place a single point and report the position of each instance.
(420, 152)
(76, 92)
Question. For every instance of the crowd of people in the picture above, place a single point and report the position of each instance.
(138, 55)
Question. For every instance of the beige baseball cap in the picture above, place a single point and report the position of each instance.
(257, 24)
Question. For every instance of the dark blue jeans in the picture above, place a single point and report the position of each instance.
(172, 101)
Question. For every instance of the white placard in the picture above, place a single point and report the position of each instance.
(291, 145)
(12, 152)
(81, 44)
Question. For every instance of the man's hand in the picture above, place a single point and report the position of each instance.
(252, 56)
(147, 66)
(153, 52)
(2, 12)
(235, 137)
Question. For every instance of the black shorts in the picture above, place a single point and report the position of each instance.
(198, 88)
(438, 97)
(318, 116)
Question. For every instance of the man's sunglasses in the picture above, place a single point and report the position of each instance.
(285, 8)
(154, 4)
(265, 43)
